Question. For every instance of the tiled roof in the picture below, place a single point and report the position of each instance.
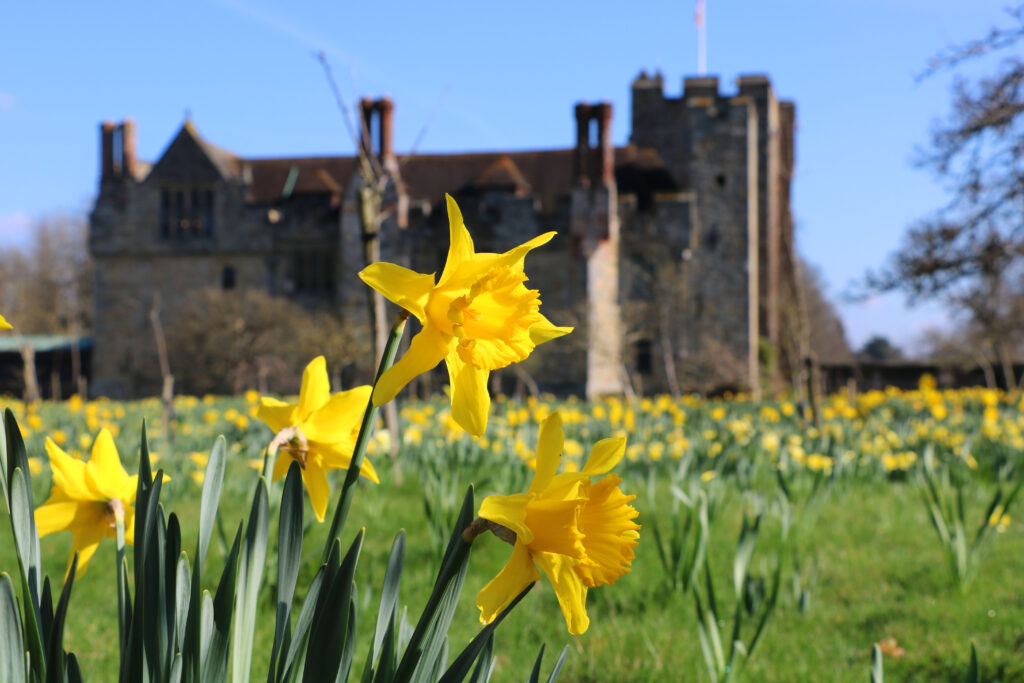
(548, 173)
(503, 174)
(312, 175)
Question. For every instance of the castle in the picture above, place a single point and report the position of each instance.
(674, 259)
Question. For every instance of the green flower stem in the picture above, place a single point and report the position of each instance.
(122, 630)
(453, 565)
(365, 431)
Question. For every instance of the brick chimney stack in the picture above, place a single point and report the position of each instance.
(107, 150)
(582, 143)
(594, 166)
(129, 153)
(603, 114)
(386, 112)
(384, 109)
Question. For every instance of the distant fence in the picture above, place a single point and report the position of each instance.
(904, 375)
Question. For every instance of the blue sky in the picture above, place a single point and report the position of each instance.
(484, 76)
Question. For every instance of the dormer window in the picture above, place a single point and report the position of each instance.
(186, 212)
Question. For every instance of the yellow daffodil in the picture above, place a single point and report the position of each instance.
(4, 325)
(479, 316)
(580, 532)
(86, 496)
(319, 432)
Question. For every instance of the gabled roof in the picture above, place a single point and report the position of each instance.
(228, 163)
(222, 163)
(503, 174)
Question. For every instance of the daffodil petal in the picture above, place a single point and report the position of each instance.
(129, 525)
(338, 456)
(405, 287)
(426, 350)
(545, 331)
(104, 473)
(460, 248)
(281, 465)
(513, 258)
(316, 388)
(569, 588)
(550, 442)
(518, 573)
(276, 414)
(68, 473)
(53, 517)
(510, 512)
(86, 545)
(315, 478)
(338, 417)
(605, 455)
(368, 471)
(470, 401)
(4, 325)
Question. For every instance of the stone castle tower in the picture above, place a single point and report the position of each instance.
(674, 255)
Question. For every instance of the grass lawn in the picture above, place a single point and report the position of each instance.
(878, 572)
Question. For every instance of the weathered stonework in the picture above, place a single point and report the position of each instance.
(672, 255)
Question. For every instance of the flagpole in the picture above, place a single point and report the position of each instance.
(702, 45)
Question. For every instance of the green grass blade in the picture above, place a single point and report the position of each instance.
(213, 483)
(972, 675)
(388, 610)
(535, 673)
(464, 662)
(12, 645)
(182, 599)
(558, 665)
(55, 658)
(23, 525)
(250, 577)
(429, 639)
(329, 633)
(289, 557)
(484, 664)
(215, 660)
(289, 666)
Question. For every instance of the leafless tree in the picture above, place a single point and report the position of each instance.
(968, 253)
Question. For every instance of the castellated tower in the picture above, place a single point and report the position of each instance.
(674, 257)
(730, 161)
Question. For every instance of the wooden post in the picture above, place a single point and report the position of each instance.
(167, 393)
(28, 359)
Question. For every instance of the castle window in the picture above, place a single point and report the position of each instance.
(644, 357)
(227, 278)
(720, 180)
(186, 212)
(712, 238)
(313, 271)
